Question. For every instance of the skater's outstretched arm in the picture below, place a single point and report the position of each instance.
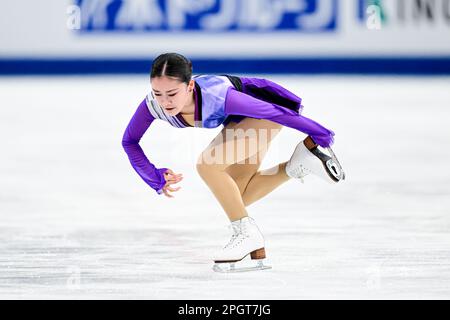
(238, 103)
(139, 123)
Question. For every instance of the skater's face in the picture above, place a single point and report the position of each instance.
(172, 94)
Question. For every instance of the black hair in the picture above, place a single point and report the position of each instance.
(172, 65)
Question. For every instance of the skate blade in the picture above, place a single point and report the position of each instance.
(333, 165)
(232, 268)
(334, 171)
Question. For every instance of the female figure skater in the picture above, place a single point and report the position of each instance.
(252, 112)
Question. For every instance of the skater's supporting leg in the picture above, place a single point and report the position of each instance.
(244, 148)
(255, 184)
(224, 189)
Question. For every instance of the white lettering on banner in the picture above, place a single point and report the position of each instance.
(321, 17)
(223, 19)
(177, 10)
(261, 14)
(265, 14)
(95, 10)
(211, 15)
(295, 5)
(139, 14)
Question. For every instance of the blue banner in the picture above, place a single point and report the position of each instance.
(208, 15)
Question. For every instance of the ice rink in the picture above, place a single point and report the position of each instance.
(78, 223)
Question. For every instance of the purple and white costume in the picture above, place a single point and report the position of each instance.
(218, 101)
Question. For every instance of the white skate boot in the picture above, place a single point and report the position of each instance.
(246, 239)
(308, 159)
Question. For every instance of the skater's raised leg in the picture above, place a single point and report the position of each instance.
(254, 184)
(309, 159)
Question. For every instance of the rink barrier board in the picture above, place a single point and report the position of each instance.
(374, 66)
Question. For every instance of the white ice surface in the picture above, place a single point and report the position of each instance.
(76, 222)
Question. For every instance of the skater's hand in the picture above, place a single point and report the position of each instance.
(171, 178)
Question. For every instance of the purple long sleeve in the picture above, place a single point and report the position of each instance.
(238, 103)
(141, 121)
